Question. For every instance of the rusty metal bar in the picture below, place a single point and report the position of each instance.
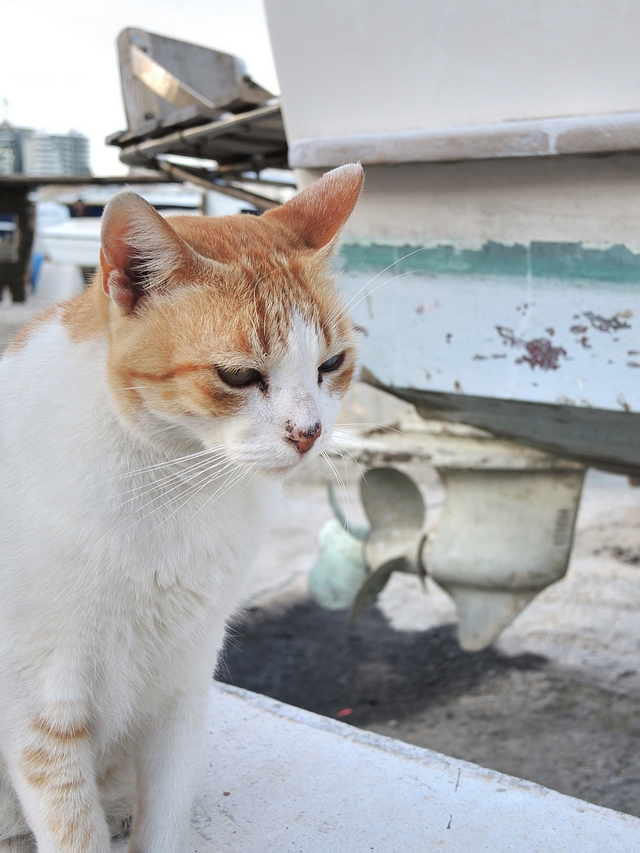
(185, 174)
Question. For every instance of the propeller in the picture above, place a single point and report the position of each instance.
(504, 534)
(355, 563)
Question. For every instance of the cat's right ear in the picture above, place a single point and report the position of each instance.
(139, 251)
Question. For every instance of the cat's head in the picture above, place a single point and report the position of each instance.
(228, 332)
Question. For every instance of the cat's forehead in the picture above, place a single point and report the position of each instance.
(239, 239)
(266, 317)
(263, 282)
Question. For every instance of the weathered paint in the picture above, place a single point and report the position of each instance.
(547, 341)
(537, 259)
(469, 328)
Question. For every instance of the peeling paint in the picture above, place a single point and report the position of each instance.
(575, 352)
(623, 403)
(540, 351)
(427, 306)
(602, 324)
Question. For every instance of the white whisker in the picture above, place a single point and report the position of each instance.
(235, 475)
(341, 484)
(351, 305)
(186, 475)
(174, 461)
(187, 494)
(217, 495)
(346, 456)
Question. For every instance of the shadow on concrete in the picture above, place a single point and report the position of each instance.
(314, 659)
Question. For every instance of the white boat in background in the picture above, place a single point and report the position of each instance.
(67, 247)
(75, 241)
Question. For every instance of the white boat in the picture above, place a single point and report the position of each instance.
(501, 144)
(67, 248)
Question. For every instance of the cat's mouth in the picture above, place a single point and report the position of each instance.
(280, 471)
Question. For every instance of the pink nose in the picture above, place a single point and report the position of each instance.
(304, 438)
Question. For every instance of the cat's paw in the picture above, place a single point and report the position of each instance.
(19, 844)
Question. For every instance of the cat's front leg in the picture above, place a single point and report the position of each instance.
(167, 765)
(53, 772)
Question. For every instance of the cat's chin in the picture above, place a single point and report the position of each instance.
(281, 472)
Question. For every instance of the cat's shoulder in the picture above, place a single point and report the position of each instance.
(82, 318)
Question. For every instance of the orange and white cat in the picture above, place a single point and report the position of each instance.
(145, 427)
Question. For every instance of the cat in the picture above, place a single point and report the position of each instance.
(145, 429)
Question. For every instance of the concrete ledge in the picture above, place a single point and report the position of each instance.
(533, 138)
(278, 778)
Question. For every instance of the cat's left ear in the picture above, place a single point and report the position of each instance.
(316, 214)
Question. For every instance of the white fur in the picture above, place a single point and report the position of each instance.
(115, 586)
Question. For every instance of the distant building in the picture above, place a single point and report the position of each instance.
(8, 149)
(29, 152)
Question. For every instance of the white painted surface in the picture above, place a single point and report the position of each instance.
(575, 199)
(349, 66)
(296, 781)
(538, 138)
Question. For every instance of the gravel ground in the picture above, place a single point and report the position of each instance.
(556, 700)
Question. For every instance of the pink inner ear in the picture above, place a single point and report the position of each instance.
(122, 217)
(317, 214)
(139, 249)
(116, 249)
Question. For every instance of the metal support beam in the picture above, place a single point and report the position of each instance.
(210, 183)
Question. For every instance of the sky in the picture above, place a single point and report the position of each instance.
(59, 65)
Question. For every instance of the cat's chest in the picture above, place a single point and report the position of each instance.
(200, 528)
(172, 582)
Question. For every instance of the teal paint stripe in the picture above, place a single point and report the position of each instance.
(572, 260)
(540, 260)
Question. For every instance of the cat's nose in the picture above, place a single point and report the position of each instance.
(304, 438)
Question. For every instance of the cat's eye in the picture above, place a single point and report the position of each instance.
(331, 363)
(240, 377)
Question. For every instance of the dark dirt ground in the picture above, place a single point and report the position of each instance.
(520, 715)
